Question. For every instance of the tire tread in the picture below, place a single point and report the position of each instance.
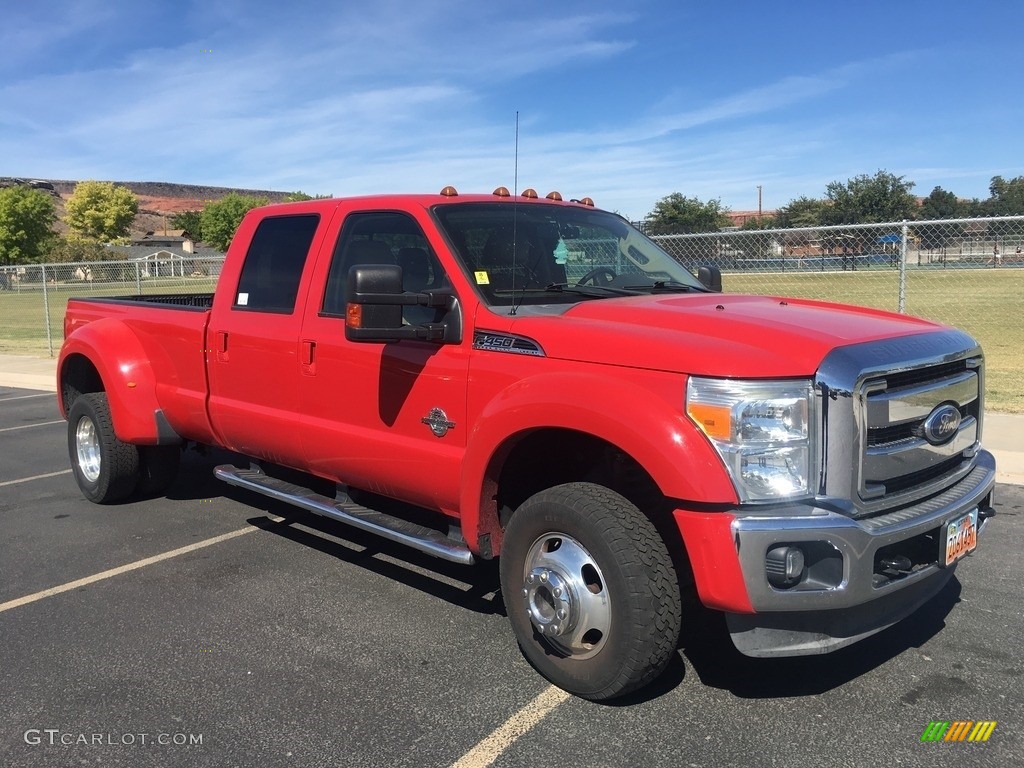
(647, 567)
(119, 465)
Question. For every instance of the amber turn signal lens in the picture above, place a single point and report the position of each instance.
(354, 316)
(714, 420)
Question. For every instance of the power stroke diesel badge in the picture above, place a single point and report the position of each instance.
(438, 422)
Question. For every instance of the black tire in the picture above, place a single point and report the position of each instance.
(106, 469)
(158, 466)
(620, 636)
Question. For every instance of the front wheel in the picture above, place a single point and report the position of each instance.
(590, 590)
(106, 469)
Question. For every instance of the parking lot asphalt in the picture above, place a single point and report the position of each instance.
(206, 621)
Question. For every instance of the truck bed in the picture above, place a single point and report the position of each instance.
(201, 301)
(165, 333)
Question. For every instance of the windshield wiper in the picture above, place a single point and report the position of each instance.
(667, 286)
(595, 291)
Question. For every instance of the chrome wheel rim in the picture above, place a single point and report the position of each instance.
(566, 596)
(88, 446)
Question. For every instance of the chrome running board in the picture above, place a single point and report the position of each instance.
(345, 510)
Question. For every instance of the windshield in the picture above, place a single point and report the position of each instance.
(535, 253)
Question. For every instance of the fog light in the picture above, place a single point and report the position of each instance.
(784, 566)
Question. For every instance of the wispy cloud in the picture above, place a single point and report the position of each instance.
(410, 96)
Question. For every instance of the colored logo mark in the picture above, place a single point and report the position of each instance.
(958, 730)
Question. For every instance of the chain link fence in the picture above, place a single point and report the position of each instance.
(33, 297)
(968, 273)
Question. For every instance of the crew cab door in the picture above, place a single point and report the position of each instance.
(252, 341)
(386, 417)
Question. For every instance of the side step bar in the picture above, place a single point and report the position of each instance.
(347, 511)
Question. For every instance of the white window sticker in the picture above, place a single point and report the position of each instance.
(243, 299)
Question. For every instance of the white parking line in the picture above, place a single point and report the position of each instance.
(35, 477)
(62, 588)
(26, 397)
(29, 426)
(492, 747)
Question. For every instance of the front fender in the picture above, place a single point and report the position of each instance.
(126, 372)
(643, 418)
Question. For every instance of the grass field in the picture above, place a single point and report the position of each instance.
(987, 303)
(23, 313)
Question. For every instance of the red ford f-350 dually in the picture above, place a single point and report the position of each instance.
(532, 379)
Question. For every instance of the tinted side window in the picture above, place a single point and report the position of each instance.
(385, 237)
(273, 265)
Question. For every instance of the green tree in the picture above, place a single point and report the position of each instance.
(220, 219)
(762, 222)
(190, 221)
(869, 199)
(801, 212)
(100, 211)
(1006, 198)
(941, 204)
(69, 248)
(675, 214)
(297, 196)
(26, 218)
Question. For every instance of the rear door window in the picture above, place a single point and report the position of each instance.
(273, 265)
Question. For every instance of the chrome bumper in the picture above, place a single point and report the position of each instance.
(846, 595)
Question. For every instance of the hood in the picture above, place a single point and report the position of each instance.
(711, 334)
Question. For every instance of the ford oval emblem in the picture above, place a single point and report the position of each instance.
(942, 424)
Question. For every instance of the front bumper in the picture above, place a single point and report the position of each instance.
(847, 592)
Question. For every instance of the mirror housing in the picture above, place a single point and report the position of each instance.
(710, 277)
(373, 310)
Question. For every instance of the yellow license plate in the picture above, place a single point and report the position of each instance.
(961, 537)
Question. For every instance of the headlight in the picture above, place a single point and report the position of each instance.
(763, 430)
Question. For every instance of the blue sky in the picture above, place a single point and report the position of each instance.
(625, 102)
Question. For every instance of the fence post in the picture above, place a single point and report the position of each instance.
(46, 310)
(138, 280)
(903, 268)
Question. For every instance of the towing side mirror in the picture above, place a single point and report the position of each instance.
(710, 277)
(373, 311)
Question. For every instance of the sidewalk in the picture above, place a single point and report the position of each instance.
(1004, 432)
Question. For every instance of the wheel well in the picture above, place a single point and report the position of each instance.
(547, 457)
(78, 376)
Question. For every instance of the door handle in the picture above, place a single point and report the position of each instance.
(222, 346)
(307, 356)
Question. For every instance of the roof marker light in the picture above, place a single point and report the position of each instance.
(501, 192)
(450, 191)
(530, 192)
(554, 196)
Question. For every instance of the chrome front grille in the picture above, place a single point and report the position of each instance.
(897, 454)
(881, 403)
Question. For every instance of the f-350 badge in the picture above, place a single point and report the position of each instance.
(438, 422)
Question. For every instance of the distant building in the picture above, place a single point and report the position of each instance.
(739, 218)
(169, 252)
(171, 238)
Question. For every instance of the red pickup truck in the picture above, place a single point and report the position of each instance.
(479, 376)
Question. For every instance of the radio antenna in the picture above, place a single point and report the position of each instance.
(515, 205)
